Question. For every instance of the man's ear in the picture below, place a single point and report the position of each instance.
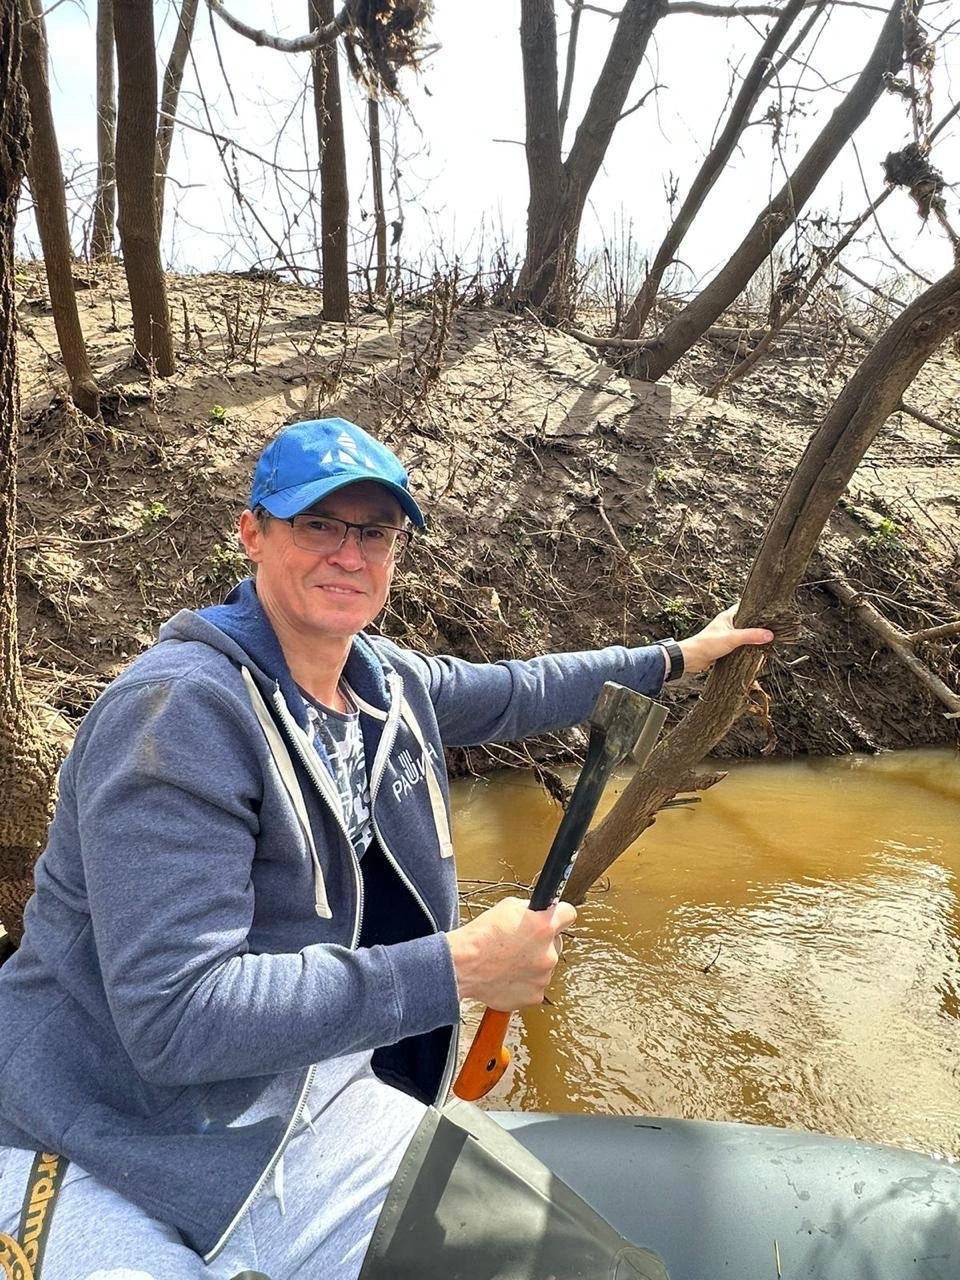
(251, 535)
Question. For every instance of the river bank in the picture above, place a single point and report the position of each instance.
(570, 507)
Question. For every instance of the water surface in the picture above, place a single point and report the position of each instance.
(785, 952)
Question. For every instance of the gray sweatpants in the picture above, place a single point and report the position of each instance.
(294, 1230)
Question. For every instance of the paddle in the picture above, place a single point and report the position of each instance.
(623, 723)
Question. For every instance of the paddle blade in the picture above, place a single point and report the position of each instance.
(487, 1058)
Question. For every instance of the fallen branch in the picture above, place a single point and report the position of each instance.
(936, 633)
(720, 332)
(928, 421)
(898, 642)
(741, 332)
(611, 343)
(859, 332)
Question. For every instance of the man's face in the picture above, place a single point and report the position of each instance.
(313, 598)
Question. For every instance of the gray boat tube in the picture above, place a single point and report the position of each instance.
(748, 1202)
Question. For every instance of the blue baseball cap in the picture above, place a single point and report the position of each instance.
(309, 460)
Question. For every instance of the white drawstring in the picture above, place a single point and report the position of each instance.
(433, 783)
(288, 774)
(278, 1186)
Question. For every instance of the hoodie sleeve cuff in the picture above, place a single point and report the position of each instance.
(424, 984)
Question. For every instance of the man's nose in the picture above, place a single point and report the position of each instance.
(350, 550)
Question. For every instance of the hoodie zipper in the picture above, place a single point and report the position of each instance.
(293, 738)
(387, 740)
(271, 1164)
(292, 733)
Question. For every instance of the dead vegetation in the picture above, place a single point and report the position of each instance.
(571, 506)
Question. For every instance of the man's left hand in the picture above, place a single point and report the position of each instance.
(719, 638)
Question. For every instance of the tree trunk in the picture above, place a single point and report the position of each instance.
(27, 760)
(538, 48)
(379, 216)
(833, 454)
(172, 80)
(105, 204)
(687, 327)
(46, 183)
(136, 188)
(559, 191)
(334, 200)
(755, 81)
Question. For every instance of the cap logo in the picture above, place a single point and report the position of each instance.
(348, 454)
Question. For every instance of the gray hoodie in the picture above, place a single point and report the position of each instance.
(196, 945)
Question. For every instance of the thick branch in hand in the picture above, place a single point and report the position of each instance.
(833, 454)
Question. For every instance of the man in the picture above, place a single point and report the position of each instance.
(235, 1004)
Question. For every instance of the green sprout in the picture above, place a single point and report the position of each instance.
(679, 613)
(152, 512)
(886, 540)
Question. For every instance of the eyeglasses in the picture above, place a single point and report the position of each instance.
(325, 534)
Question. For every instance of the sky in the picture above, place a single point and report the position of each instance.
(461, 185)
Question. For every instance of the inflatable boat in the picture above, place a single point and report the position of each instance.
(725, 1201)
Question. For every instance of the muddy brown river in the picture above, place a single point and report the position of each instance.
(785, 952)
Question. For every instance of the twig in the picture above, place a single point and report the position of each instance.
(928, 421)
(896, 302)
(605, 521)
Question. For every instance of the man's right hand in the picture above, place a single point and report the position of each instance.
(505, 958)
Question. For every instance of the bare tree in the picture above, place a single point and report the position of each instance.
(381, 37)
(558, 187)
(376, 78)
(836, 449)
(379, 214)
(694, 319)
(46, 183)
(172, 80)
(105, 202)
(27, 760)
(754, 82)
(136, 187)
(334, 189)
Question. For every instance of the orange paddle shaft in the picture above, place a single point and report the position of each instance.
(487, 1059)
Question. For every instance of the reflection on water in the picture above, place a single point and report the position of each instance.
(785, 952)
